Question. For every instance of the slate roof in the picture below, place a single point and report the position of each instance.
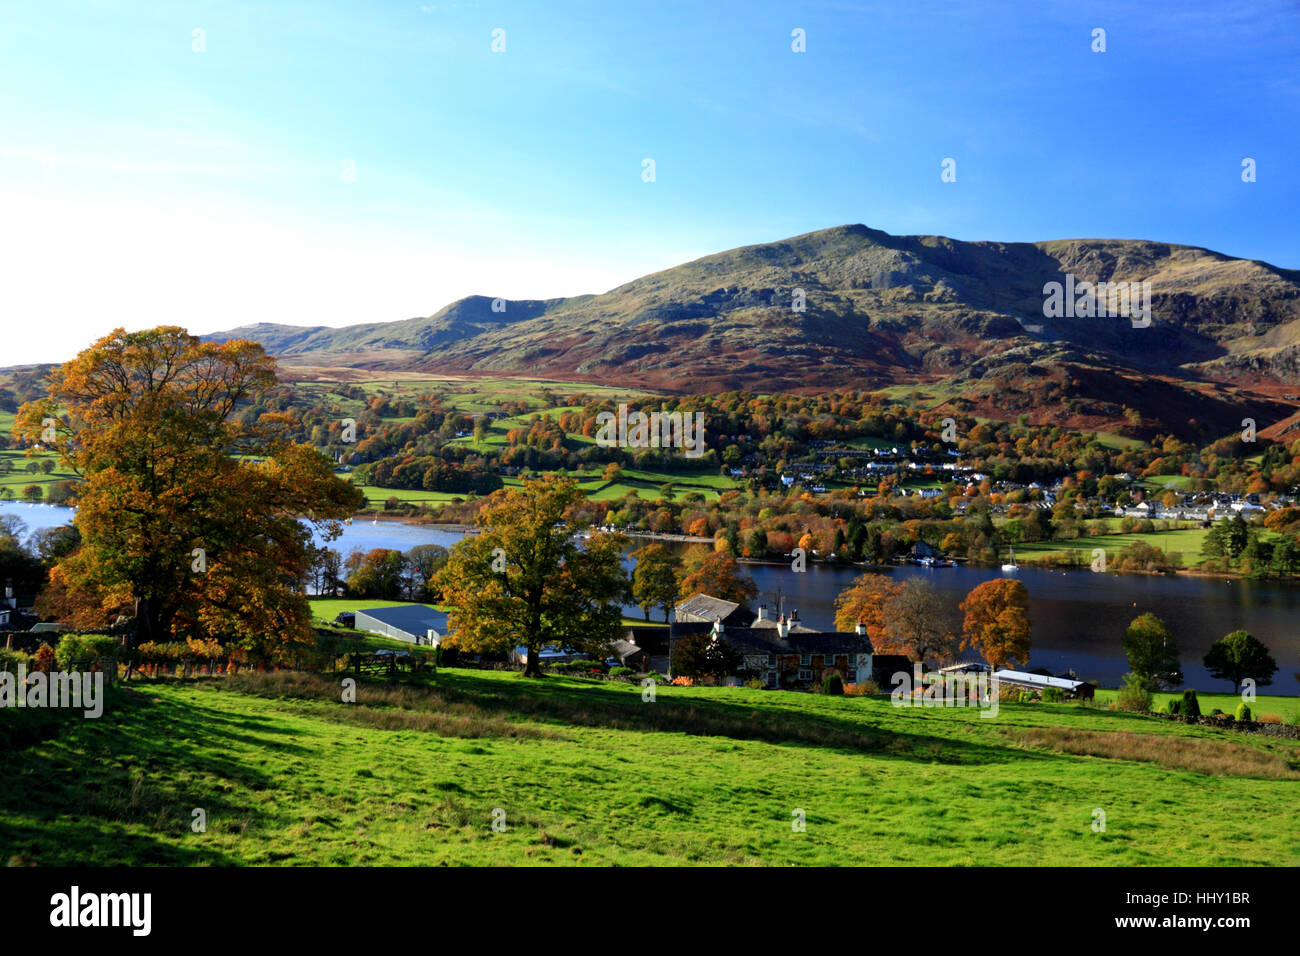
(764, 640)
(755, 640)
(414, 619)
(703, 607)
(1025, 678)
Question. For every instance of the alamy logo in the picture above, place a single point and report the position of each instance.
(656, 430)
(78, 690)
(102, 909)
(945, 690)
(1086, 300)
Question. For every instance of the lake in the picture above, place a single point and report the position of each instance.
(1078, 617)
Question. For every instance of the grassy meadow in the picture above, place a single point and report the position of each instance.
(587, 772)
(1287, 708)
(1184, 541)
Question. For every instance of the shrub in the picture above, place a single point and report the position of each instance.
(1190, 707)
(45, 659)
(682, 681)
(657, 677)
(833, 684)
(1270, 718)
(1217, 713)
(1173, 707)
(1053, 695)
(1243, 711)
(80, 647)
(621, 672)
(1134, 695)
(9, 660)
(755, 684)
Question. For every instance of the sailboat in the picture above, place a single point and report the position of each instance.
(1011, 560)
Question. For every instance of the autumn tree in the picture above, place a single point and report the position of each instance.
(189, 516)
(376, 574)
(1238, 656)
(526, 581)
(654, 579)
(915, 619)
(997, 622)
(1152, 653)
(864, 600)
(715, 573)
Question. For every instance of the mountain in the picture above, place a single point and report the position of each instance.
(962, 322)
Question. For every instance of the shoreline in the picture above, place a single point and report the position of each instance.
(461, 528)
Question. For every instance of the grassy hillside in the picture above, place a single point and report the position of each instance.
(587, 772)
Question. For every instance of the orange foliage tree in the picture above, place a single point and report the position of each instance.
(715, 573)
(864, 600)
(997, 622)
(178, 530)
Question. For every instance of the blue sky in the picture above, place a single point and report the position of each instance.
(144, 182)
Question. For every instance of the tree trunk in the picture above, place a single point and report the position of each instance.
(148, 623)
(533, 668)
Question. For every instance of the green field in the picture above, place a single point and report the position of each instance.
(328, 608)
(1160, 482)
(587, 772)
(1288, 708)
(1185, 541)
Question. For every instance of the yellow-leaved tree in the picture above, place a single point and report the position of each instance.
(526, 580)
(189, 517)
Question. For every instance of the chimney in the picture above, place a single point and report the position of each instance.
(794, 616)
(717, 628)
(782, 628)
(860, 629)
(762, 612)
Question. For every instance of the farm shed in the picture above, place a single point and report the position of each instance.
(409, 622)
(1040, 682)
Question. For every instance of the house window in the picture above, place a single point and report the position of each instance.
(771, 660)
(805, 660)
(805, 675)
(771, 678)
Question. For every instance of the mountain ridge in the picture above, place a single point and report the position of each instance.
(879, 311)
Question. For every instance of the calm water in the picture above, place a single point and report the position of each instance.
(1078, 617)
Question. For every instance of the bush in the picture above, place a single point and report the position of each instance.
(1217, 713)
(1270, 719)
(621, 672)
(1134, 695)
(45, 659)
(1243, 711)
(80, 647)
(657, 678)
(1053, 695)
(1190, 707)
(833, 684)
(9, 661)
(866, 688)
(1173, 706)
(755, 684)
